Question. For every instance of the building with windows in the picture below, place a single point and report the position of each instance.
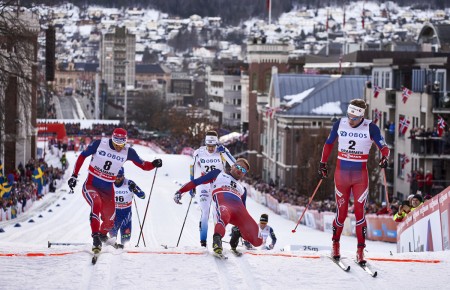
(408, 97)
(117, 59)
(261, 57)
(180, 89)
(224, 96)
(299, 106)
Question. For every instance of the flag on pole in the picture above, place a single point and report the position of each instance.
(403, 160)
(441, 125)
(403, 125)
(363, 15)
(376, 116)
(406, 93)
(376, 91)
(271, 112)
(343, 21)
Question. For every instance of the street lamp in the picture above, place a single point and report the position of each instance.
(126, 62)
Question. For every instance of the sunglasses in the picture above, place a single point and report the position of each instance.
(353, 119)
(242, 169)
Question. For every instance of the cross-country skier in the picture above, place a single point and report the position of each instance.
(264, 228)
(355, 135)
(108, 156)
(207, 158)
(229, 199)
(124, 190)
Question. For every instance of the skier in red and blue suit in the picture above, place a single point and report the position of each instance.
(229, 198)
(124, 189)
(108, 156)
(355, 135)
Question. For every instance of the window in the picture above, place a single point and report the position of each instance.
(267, 79)
(255, 81)
(375, 78)
(382, 77)
(401, 166)
(441, 77)
(387, 80)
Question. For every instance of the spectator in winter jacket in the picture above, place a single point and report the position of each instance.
(416, 201)
(403, 211)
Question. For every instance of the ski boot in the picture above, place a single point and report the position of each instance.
(217, 244)
(97, 243)
(234, 240)
(248, 246)
(360, 254)
(118, 246)
(103, 237)
(203, 243)
(335, 251)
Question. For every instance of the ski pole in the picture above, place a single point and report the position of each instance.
(139, 220)
(148, 202)
(388, 205)
(65, 244)
(306, 208)
(181, 232)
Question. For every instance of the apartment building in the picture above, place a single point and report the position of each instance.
(224, 95)
(409, 98)
(117, 59)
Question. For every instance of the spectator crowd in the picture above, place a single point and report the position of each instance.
(171, 144)
(26, 184)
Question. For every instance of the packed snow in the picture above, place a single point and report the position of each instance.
(28, 263)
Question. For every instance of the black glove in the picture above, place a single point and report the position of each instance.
(157, 163)
(132, 186)
(383, 162)
(72, 181)
(177, 197)
(323, 170)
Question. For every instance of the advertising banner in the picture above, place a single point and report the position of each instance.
(444, 208)
(427, 227)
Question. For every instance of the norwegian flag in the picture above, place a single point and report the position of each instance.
(403, 160)
(403, 125)
(406, 93)
(376, 116)
(441, 125)
(271, 112)
(376, 91)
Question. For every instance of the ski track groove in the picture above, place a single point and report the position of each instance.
(360, 277)
(223, 278)
(89, 273)
(115, 269)
(249, 278)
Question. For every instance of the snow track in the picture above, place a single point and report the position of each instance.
(27, 262)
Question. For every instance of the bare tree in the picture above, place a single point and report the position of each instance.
(19, 30)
